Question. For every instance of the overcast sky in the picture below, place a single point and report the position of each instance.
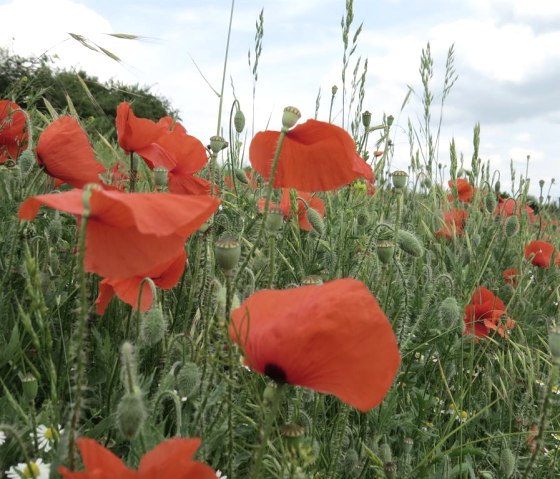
(507, 57)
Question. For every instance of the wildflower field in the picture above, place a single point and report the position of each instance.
(279, 305)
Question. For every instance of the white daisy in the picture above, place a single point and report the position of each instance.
(47, 437)
(2, 437)
(219, 475)
(38, 470)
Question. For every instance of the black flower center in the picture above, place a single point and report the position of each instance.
(275, 372)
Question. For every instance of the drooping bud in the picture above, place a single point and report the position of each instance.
(409, 243)
(507, 462)
(131, 414)
(160, 177)
(188, 379)
(239, 121)
(385, 453)
(511, 226)
(450, 314)
(290, 117)
(316, 220)
(227, 252)
(490, 202)
(217, 144)
(26, 161)
(153, 326)
(241, 176)
(497, 187)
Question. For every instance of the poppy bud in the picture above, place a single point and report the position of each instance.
(274, 221)
(160, 177)
(554, 344)
(227, 252)
(426, 183)
(490, 202)
(385, 251)
(316, 221)
(217, 144)
(390, 120)
(450, 314)
(497, 187)
(362, 218)
(131, 414)
(29, 387)
(241, 176)
(153, 326)
(26, 160)
(188, 379)
(385, 453)
(399, 179)
(366, 118)
(334, 89)
(290, 117)
(54, 227)
(239, 121)
(507, 462)
(511, 227)
(409, 243)
(351, 460)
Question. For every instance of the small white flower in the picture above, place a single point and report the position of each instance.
(47, 437)
(39, 470)
(219, 475)
(2, 437)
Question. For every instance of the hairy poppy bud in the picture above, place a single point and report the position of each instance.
(241, 176)
(160, 177)
(188, 379)
(239, 121)
(274, 220)
(450, 314)
(153, 326)
(409, 243)
(54, 227)
(511, 227)
(399, 178)
(131, 414)
(351, 460)
(366, 118)
(26, 161)
(217, 144)
(290, 117)
(316, 220)
(385, 251)
(385, 453)
(507, 462)
(490, 202)
(227, 252)
(497, 187)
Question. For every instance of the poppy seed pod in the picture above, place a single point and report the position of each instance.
(293, 434)
(290, 117)
(399, 178)
(227, 252)
(385, 251)
(239, 121)
(390, 470)
(312, 280)
(217, 144)
(366, 118)
(29, 387)
(131, 414)
(160, 177)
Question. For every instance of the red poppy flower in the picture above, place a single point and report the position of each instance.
(315, 156)
(188, 155)
(454, 221)
(332, 338)
(486, 312)
(129, 234)
(509, 207)
(540, 253)
(65, 153)
(139, 135)
(165, 276)
(13, 131)
(170, 459)
(465, 191)
(510, 276)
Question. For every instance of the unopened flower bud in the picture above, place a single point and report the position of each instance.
(290, 117)
(26, 160)
(239, 121)
(316, 220)
(153, 326)
(409, 243)
(385, 453)
(188, 379)
(131, 414)
(490, 202)
(507, 462)
(511, 227)
(241, 176)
